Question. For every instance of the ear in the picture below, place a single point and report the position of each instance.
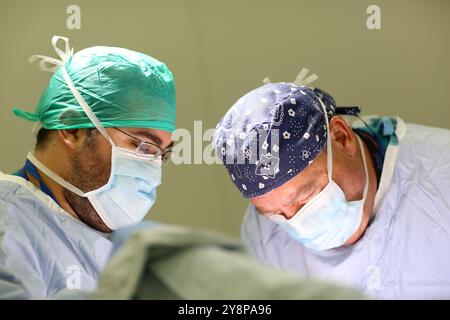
(74, 139)
(342, 136)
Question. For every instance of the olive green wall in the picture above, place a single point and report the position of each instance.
(219, 50)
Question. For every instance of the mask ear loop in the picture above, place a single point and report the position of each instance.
(330, 154)
(366, 171)
(329, 149)
(36, 128)
(54, 176)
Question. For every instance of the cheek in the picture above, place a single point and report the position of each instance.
(104, 157)
(100, 150)
(104, 153)
(347, 176)
(98, 159)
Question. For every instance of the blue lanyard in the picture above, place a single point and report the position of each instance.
(32, 170)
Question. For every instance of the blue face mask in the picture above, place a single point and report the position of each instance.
(129, 193)
(328, 220)
(131, 189)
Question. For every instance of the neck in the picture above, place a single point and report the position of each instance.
(370, 199)
(55, 164)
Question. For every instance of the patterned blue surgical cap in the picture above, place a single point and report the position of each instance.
(271, 134)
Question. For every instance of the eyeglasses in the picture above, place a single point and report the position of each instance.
(149, 148)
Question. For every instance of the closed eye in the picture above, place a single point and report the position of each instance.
(308, 197)
(301, 198)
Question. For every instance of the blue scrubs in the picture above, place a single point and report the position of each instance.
(44, 251)
(405, 251)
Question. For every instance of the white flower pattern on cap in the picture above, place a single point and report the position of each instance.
(291, 112)
(296, 115)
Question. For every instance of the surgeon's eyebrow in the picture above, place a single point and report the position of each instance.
(148, 135)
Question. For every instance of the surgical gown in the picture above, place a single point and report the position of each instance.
(405, 251)
(45, 252)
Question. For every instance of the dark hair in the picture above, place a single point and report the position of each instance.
(44, 135)
(42, 138)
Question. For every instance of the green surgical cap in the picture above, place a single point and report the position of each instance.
(123, 88)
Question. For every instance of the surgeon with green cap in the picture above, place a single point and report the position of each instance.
(106, 121)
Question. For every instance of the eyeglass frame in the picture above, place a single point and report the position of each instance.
(162, 152)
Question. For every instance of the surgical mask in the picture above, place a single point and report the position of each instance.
(131, 189)
(328, 220)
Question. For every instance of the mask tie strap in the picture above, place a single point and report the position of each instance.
(83, 104)
(301, 79)
(54, 176)
(329, 149)
(49, 64)
(366, 187)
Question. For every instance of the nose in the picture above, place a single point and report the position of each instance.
(145, 187)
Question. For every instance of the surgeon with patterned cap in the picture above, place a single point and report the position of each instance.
(361, 201)
(106, 120)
